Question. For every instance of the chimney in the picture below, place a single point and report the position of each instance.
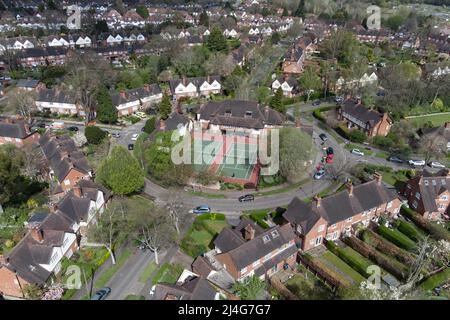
(317, 200)
(37, 234)
(162, 125)
(64, 154)
(123, 94)
(53, 207)
(358, 101)
(77, 191)
(249, 232)
(378, 177)
(147, 87)
(349, 186)
(447, 125)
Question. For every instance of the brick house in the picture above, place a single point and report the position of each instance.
(248, 250)
(429, 194)
(371, 122)
(293, 61)
(337, 215)
(67, 165)
(289, 85)
(58, 101)
(29, 85)
(130, 101)
(195, 87)
(37, 257)
(17, 132)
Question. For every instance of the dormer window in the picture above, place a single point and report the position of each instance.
(275, 234)
(426, 182)
(227, 113)
(266, 238)
(248, 114)
(433, 182)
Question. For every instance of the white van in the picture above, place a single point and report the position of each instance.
(57, 125)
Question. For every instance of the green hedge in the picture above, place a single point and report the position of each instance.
(436, 231)
(435, 280)
(397, 238)
(409, 230)
(352, 258)
(211, 216)
(318, 115)
(343, 131)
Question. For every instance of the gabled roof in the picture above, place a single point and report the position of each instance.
(196, 81)
(77, 209)
(194, 288)
(135, 94)
(431, 185)
(16, 129)
(240, 113)
(361, 113)
(27, 83)
(56, 95)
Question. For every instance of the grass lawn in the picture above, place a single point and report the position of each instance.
(437, 119)
(351, 146)
(282, 190)
(202, 237)
(258, 216)
(342, 267)
(393, 177)
(103, 279)
(147, 273)
(382, 154)
(216, 225)
(134, 297)
(306, 286)
(168, 273)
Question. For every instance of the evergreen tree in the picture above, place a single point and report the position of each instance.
(300, 12)
(165, 107)
(285, 12)
(216, 40)
(142, 11)
(275, 37)
(276, 102)
(106, 112)
(204, 19)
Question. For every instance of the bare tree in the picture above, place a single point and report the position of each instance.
(32, 158)
(174, 203)
(432, 144)
(22, 103)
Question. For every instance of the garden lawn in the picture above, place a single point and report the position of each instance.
(342, 266)
(351, 146)
(216, 225)
(258, 216)
(168, 273)
(134, 297)
(201, 237)
(306, 286)
(436, 119)
(147, 273)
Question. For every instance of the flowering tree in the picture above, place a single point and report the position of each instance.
(55, 292)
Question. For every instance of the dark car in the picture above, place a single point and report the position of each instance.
(101, 294)
(316, 103)
(247, 197)
(323, 137)
(73, 128)
(395, 159)
(41, 125)
(330, 151)
(130, 146)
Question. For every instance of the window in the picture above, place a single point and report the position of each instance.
(349, 219)
(318, 240)
(248, 114)
(444, 197)
(243, 270)
(433, 182)
(408, 186)
(443, 181)
(441, 206)
(228, 113)
(255, 264)
(333, 226)
(266, 238)
(321, 227)
(418, 195)
(414, 204)
(426, 182)
(364, 213)
(67, 182)
(275, 234)
(389, 204)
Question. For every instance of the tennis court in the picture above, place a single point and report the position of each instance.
(239, 162)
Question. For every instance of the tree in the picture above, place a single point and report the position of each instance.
(276, 102)
(204, 19)
(294, 160)
(165, 107)
(94, 135)
(310, 81)
(300, 12)
(216, 40)
(32, 291)
(11, 180)
(150, 125)
(174, 203)
(219, 64)
(432, 145)
(358, 136)
(106, 112)
(285, 12)
(251, 288)
(121, 172)
(22, 103)
(101, 26)
(110, 227)
(153, 228)
(142, 11)
(275, 38)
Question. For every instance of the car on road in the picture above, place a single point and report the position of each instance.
(247, 197)
(316, 103)
(416, 163)
(134, 137)
(130, 146)
(201, 209)
(319, 174)
(395, 159)
(339, 99)
(101, 294)
(435, 164)
(115, 134)
(357, 152)
(323, 137)
(42, 125)
(73, 128)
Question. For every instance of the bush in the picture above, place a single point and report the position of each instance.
(383, 142)
(318, 115)
(409, 230)
(192, 248)
(358, 136)
(435, 280)
(134, 119)
(211, 216)
(343, 131)
(397, 238)
(436, 231)
(94, 135)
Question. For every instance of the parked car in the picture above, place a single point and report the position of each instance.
(357, 152)
(201, 209)
(115, 134)
(134, 137)
(395, 159)
(319, 174)
(330, 151)
(247, 197)
(101, 294)
(329, 158)
(435, 164)
(323, 137)
(130, 146)
(339, 99)
(73, 128)
(152, 290)
(316, 103)
(42, 125)
(416, 163)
